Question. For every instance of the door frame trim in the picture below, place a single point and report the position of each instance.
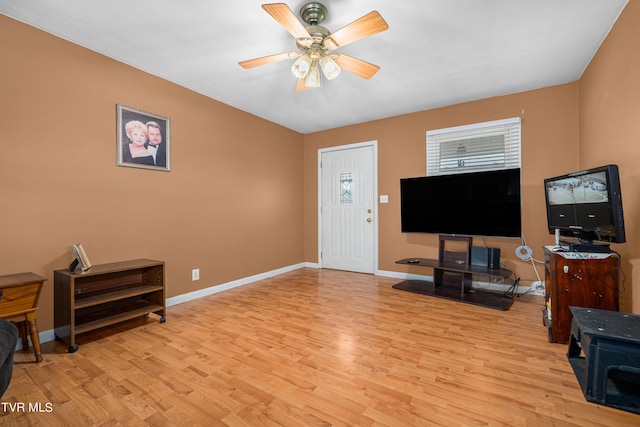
(374, 145)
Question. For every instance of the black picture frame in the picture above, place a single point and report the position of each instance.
(130, 151)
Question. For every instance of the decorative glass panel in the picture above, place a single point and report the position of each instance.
(346, 193)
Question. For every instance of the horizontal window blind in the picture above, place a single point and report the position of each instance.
(474, 148)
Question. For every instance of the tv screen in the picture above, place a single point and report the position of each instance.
(467, 204)
(586, 205)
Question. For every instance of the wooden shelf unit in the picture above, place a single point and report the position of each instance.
(579, 279)
(105, 295)
(453, 276)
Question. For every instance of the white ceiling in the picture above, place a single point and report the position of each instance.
(435, 52)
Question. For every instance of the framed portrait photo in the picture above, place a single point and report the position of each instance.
(143, 139)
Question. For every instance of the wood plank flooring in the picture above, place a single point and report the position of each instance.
(313, 348)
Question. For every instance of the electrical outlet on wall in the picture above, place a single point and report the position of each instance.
(537, 288)
(195, 274)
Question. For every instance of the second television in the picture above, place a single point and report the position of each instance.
(467, 204)
(586, 205)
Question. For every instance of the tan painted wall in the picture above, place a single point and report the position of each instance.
(549, 125)
(231, 206)
(610, 130)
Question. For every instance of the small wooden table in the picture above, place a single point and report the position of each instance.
(19, 295)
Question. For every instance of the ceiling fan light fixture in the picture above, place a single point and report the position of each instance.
(316, 43)
(304, 41)
(313, 13)
(330, 68)
(301, 66)
(313, 76)
(329, 44)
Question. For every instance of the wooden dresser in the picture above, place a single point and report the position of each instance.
(579, 279)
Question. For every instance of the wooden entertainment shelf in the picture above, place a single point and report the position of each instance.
(453, 277)
(105, 295)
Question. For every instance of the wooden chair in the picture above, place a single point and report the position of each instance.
(19, 294)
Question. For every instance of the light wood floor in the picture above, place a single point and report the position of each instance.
(314, 348)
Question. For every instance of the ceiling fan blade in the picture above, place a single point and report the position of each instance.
(368, 25)
(300, 86)
(357, 66)
(281, 13)
(250, 63)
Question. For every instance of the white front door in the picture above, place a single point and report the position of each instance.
(347, 181)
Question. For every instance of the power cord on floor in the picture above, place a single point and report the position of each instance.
(513, 289)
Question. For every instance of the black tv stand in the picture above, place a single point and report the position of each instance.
(453, 277)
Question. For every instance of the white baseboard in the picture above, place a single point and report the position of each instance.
(404, 276)
(230, 285)
(45, 336)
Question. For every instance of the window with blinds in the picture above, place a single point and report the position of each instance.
(474, 148)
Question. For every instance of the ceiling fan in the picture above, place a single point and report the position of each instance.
(316, 44)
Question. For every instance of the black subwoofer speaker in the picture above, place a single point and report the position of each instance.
(485, 257)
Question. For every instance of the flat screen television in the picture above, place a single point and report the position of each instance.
(586, 205)
(466, 204)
